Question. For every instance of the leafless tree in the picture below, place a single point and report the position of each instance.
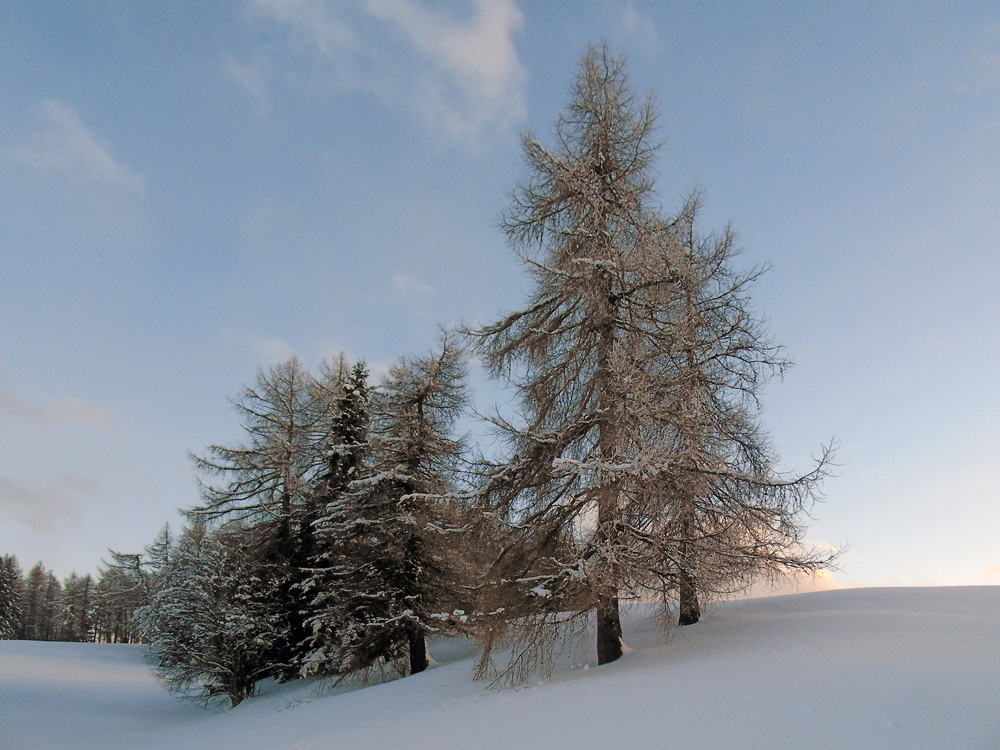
(714, 513)
(580, 222)
(637, 466)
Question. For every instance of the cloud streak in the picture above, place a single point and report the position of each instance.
(405, 284)
(55, 411)
(461, 76)
(42, 509)
(63, 144)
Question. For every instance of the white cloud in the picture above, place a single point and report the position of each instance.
(251, 78)
(273, 349)
(405, 284)
(629, 24)
(64, 144)
(55, 411)
(43, 509)
(317, 22)
(462, 76)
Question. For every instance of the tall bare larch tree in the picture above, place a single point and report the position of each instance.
(636, 464)
(580, 223)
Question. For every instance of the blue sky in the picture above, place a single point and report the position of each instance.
(191, 191)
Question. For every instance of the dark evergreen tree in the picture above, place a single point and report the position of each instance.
(77, 609)
(11, 595)
(393, 534)
(345, 455)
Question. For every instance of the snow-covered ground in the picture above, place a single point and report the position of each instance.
(861, 668)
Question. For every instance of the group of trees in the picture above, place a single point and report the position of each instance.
(38, 606)
(326, 542)
(637, 466)
(352, 523)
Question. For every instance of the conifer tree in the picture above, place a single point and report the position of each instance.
(33, 603)
(393, 533)
(11, 594)
(76, 622)
(264, 478)
(265, 483)
(207, 625)
(636, 463)
(722, 516)
(345, 454)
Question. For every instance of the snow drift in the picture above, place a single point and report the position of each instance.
(888, 668)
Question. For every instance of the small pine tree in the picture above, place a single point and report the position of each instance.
(207, 625)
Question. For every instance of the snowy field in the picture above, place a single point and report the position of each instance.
(863, 668)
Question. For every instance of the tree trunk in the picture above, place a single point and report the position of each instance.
(690, 611)
(609, 629)
(418, 651)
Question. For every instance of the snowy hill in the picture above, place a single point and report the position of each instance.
(863, 668)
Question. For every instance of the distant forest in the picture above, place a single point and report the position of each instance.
(351, 522)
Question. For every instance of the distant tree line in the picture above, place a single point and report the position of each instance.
(40, 607)
(351, 522)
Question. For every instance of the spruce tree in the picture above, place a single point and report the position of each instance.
(345, 454)
(11, 594)
(394, 534)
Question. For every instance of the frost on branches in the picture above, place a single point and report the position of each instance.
(393, 532)
(636, 466)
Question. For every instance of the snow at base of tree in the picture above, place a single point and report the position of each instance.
(899, 668)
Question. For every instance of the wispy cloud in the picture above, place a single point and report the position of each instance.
(252, 78)
(628, 24)
(64, 144)
(54, 411)
(460, 75)
(407, 284)
(272, 348)
(42, 509)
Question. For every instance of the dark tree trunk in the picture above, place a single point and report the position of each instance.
(609, 630)
(418, 651)
(690, 611)
(609, 626)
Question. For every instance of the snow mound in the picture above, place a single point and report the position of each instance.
(905, 668)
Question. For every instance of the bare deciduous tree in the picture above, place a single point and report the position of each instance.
(637, 466)
(580, 223)
(716, 515)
